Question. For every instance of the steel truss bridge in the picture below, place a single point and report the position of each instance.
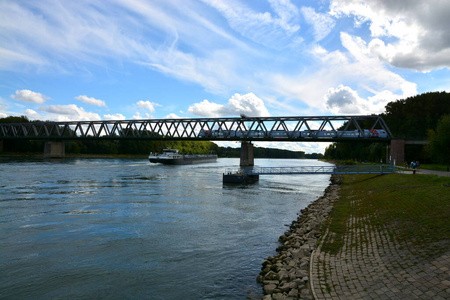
(324, 128)
(316, 170)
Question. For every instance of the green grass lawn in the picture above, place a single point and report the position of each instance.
(434, 167)
(415, 209)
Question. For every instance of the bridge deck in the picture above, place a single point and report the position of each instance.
(338, 170)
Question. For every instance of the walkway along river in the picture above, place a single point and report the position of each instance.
(123, 228)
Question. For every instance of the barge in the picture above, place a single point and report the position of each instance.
(173, 157)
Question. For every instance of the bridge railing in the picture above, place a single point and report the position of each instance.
(354, 169)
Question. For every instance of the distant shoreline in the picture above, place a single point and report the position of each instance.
(71, 155)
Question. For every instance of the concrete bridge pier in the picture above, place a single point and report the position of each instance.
(247, 158)
(54, 149)
(398, 151)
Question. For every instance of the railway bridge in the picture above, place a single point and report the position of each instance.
(367, 128)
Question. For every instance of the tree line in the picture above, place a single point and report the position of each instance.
(261, 152)
(415, 117)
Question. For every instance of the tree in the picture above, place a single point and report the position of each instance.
(439, 146)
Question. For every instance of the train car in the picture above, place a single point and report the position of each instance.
(376, 133)
(326, 134)
(278, 134)
(205, 133)
(256, 134)
(349, 134)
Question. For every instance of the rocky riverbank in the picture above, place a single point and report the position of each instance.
(286, 275)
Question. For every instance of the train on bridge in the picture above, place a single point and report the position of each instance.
(283, 134)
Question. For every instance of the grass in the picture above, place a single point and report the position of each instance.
(434, 167)
(415, 210)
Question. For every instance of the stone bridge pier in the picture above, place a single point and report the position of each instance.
(54, 149)
(247, 157)
(397, 152)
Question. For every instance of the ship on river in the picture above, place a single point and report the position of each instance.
(173, 157)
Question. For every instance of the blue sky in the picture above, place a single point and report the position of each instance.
(130, 59)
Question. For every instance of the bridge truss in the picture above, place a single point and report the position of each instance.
(316, 128)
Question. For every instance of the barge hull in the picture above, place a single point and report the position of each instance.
(184, 161)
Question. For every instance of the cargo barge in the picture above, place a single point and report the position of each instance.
(173, 157)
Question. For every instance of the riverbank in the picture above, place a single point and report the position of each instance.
(288, 273)
(383, 236)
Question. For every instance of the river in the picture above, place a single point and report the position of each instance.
(128, 229)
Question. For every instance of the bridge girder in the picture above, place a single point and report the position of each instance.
(313, 128)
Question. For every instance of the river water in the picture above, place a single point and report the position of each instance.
(128, 229)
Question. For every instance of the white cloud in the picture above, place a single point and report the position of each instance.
(357, 68)
(2, 115)
(91, 100)
(172, 116)
(11, 58)
(322, 23)
(148, 105)
(248, 104)
(29, 96)
(71, 36)
(407, 34)
(69, 112)
(114, 117)
(271, 30)
(32, 115)
(138, 116)
(344, 100)
(207, 109)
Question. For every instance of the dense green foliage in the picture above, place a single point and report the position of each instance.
(410, 118)
(373, 152)
(439, 146)
(20, 145)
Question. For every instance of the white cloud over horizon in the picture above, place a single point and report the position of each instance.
(114, 117)
(91, 100)
(147, 105)
(69, 112)
(29, 96)
(248, 104)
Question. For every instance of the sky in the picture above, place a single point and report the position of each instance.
(66, 60)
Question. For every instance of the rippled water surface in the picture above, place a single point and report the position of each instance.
(126, 229)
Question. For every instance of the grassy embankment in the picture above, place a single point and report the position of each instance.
(414, 208)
